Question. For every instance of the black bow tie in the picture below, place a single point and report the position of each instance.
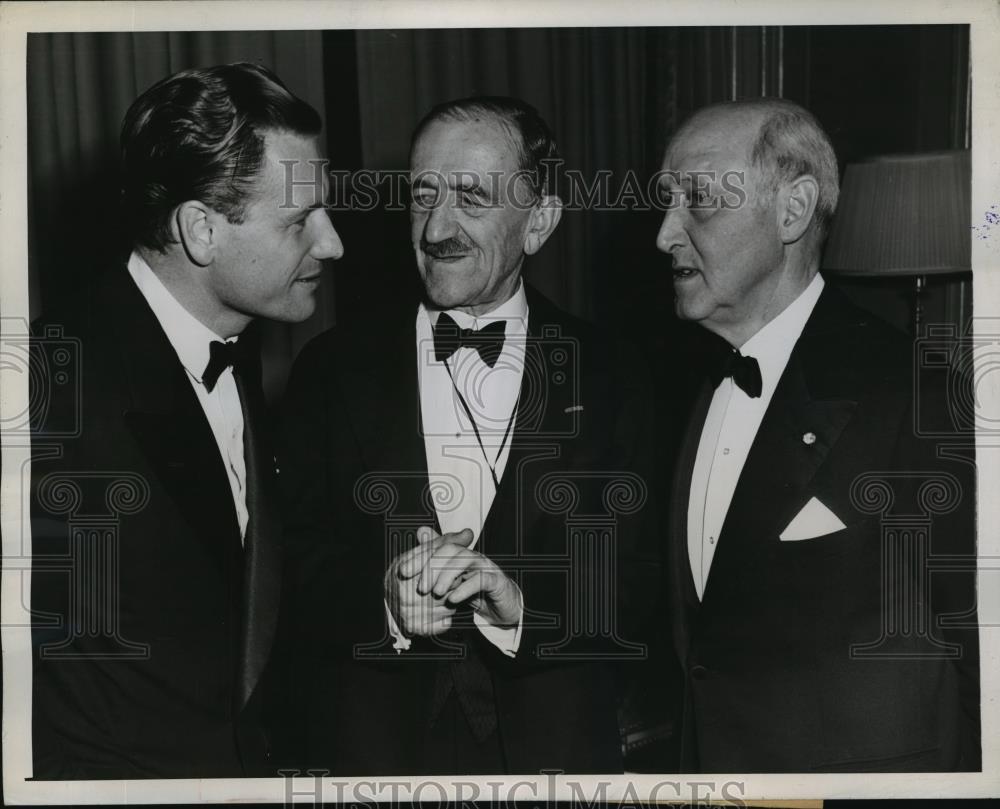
(222, 356)
(488, 341)
(745, 372)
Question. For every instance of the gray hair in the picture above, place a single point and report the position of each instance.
(524, 126)
(789, 144)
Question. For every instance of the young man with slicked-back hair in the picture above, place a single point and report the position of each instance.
(156, 541)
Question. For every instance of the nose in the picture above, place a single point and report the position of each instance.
(326, 241)
(440, 223)
(671, 234)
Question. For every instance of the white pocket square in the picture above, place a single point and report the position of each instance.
(814, 520)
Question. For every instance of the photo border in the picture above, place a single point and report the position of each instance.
(16, 20)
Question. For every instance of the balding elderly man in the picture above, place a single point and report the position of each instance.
(809, 628)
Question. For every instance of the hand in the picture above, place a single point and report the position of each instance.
(419, 613)
(457, 574)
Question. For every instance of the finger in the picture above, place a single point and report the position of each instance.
(478, 582)
(425, 612)
(461, 577)
(459, 539)
(440, 559)
(447, 570)
(463, 538)
(425, 534)
(413, 561)
(427, 622)
(440, 626)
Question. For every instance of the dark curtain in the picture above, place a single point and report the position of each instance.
(888, 90)
(79, 86)
(611, 95)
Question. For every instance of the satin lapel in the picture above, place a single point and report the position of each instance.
(382, 393)
(262, 567)
(680, 568)
(169, 425)
(783, 460)
(546, 424)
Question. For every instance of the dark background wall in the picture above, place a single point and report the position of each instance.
(877, 90)
(886, 90)
(612, 97)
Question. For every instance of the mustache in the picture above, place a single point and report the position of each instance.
(445, 249)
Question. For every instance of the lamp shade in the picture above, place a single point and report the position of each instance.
(903, 215)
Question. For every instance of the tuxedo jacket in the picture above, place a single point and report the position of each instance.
(354, 474)
(150, 623)
(836, 652)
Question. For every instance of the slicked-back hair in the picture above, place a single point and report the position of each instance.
(536, 148)
(789, 143)
(199, 135)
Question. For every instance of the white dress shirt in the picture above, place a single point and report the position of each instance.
(190, 338)
(731, 427)
(458, 468)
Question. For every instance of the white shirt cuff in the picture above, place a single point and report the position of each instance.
(506, 638)
(402, 643)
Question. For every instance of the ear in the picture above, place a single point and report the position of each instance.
(193, 229)
(796, 206)
(545, 217)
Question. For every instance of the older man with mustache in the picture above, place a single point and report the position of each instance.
(439, 595)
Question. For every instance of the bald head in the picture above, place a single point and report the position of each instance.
(782, 140)
(756, 183)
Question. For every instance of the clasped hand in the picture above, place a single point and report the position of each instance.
(425, 585)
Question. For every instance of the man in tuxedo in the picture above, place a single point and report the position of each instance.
(156, 541)
(817, 626)
(458, 505)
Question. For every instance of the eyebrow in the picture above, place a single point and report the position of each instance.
(684, 180)
(303, 213)
(422, 182)
(475, 189)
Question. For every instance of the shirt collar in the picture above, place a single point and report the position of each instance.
(772, 345)
(514, 310)
(189, 337)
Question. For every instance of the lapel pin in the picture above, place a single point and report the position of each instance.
(573, 409)
(809, 439)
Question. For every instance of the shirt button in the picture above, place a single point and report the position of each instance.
(458, 435)
(725, 451)
(699, 672)
(711, 540)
